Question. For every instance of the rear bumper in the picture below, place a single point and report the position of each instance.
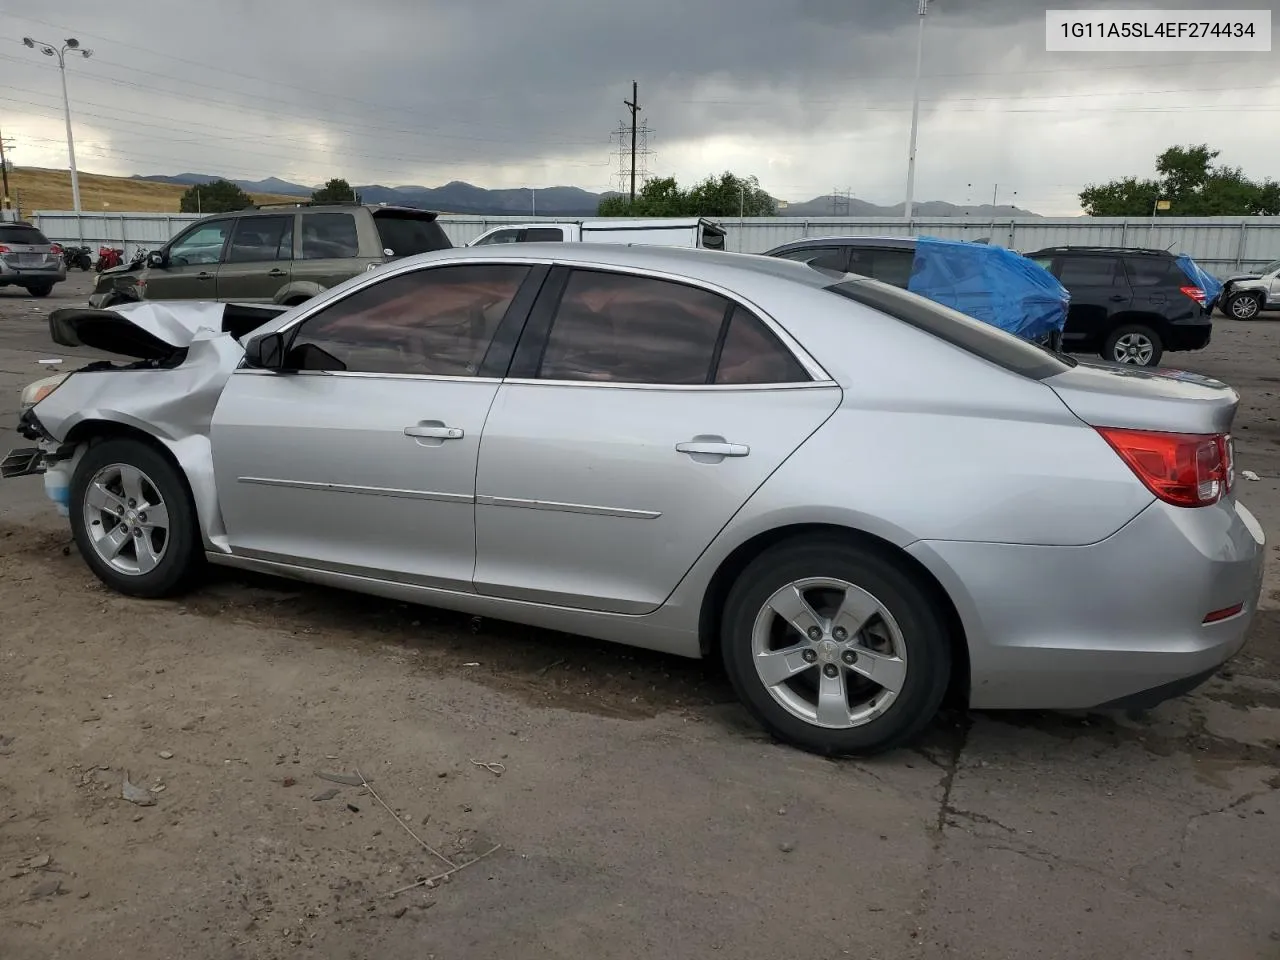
(1189, 335)
(21, 275)
(1117, 622)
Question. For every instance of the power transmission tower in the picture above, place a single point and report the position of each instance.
(628, 161)
(840, 201)
(634, 106)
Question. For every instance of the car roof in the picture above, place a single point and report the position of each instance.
(903, 243)
(1086, 250)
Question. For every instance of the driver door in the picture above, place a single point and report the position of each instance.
(192, 269)
(360, 457)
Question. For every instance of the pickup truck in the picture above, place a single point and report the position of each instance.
(658, 231)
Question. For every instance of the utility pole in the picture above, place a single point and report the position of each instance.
(4, 176)
(915, 112)
(634, 106)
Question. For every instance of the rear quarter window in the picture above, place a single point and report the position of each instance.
(15, 233)
(972, 336)
(406, 236)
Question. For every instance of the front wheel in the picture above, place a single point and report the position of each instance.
(1135, 345)
(835, 648)
(133, 520)
(1243, 306)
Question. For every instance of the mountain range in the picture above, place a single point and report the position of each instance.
(465, 198)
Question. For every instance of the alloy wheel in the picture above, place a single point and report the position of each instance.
(126, 519)
(829, 652)
(1134, 348)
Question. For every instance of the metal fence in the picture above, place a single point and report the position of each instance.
(1222, 245)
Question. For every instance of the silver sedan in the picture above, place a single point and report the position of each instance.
(857, 499)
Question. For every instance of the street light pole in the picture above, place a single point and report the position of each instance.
(915, 111)
(49, 50)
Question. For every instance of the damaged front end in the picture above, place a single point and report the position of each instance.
(179, 354)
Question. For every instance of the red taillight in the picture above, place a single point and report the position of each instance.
(1225, 613)
(55, 249)
(1184, 469)
(3, 248)
(1195, 293)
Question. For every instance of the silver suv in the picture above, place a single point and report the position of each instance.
(28, 259)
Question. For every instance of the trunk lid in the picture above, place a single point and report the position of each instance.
(154, 330)
(1170, 401)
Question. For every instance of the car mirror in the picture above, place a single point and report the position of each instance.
(157, 258)
(265, 352)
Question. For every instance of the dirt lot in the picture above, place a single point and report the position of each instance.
(639, 813)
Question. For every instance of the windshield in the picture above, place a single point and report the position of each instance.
(21, 233)
(1270, 268)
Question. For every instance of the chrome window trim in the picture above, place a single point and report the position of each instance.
(806, 360)
(674, 387)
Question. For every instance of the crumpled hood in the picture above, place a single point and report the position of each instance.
(154, 329)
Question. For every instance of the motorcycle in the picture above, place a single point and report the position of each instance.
(77, 257)
(109, 257)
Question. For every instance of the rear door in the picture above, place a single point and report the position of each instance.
(1099, 289)
(191, 272)
(639, 415)
(259, 260)
(330, 249)
(1154, 282)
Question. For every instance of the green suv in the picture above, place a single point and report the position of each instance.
(272, 253)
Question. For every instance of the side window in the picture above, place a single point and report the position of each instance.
(752, 354)
(892, 266)
(824, 258)
(433, 322)
(500, 236)
(262, 238)
(329, 236)
(618, 328)
(544, 234)
(1149, 271)
(1089, 271)
(203, 245)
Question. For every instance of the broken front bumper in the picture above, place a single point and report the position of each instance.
(22, 462)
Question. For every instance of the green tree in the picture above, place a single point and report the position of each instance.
(724, 196)
(220, 196)
(1191, 184)
(333, 190)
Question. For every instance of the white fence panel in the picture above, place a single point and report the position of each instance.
(1223, 245)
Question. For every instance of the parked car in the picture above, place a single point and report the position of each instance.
(28, 259)
(1244, 296)
(662, 231)
(272, 253)
(1130, 305)
(855, 497)
(988, 283)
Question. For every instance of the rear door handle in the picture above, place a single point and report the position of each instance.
(1116, 297)
(275, 273)
(432, 432)
(202, 275)
(713, 448)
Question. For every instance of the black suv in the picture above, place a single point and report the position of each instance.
(1129, 305)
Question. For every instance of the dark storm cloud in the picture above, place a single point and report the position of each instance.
(411, 89)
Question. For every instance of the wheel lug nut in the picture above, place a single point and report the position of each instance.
(830, 670)
(841, 633)
(849, 657)
(814, 633)
(809, 656)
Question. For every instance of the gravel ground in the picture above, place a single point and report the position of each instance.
(638, 813)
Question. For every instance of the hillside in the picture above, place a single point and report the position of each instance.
(39, 189)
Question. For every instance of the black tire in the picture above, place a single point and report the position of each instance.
(183, 554)
(1133, 330)
(1248, 303)
(40, 289)
(923, 626)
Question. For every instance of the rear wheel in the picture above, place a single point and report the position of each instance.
(41, 289)
(1243, 306)
(133, 520)
(1133, 344)
(835, 648)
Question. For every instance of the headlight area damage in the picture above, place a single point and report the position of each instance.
(181, 354)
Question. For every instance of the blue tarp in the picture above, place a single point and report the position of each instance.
(1206, 281)
(992, 284)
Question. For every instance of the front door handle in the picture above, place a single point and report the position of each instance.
(433, 431)
(712, 448)
(203, 275)
(1116, 297)
(277, 272)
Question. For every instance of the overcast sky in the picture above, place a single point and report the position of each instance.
(808, 95)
